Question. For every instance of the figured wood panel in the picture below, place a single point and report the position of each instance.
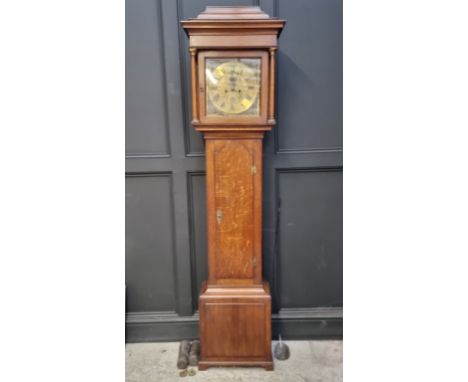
(311, 238)
(145, 96)
(149, 271)
(241, 327)
(234, 192)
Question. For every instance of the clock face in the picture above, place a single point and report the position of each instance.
(233, 86)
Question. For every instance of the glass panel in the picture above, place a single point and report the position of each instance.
(232, 86)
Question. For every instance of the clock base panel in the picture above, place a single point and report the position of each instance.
(235, 326)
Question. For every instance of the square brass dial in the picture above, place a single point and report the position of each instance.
(232, 86)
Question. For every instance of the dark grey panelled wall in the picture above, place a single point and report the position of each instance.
(165, 182)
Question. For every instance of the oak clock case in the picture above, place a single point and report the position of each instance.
(233, 53)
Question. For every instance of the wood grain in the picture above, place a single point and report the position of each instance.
(234, 197)
(234, 171)
(235, 327)
(235, 304)
(193, 61)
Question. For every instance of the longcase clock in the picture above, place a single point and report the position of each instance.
(232, 53)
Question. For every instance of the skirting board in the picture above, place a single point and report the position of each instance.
(297, 324)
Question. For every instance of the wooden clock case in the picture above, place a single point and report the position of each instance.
(235, 301)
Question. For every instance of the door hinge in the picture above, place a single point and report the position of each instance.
(219, 215)
(254, 169)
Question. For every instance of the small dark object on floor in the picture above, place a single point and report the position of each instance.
(281, 350)
(194, 353)
(191, 372)
(182, 359)
(183, 373)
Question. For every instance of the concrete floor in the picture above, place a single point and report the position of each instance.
(310, 361)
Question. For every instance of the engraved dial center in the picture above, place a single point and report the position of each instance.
(232, 87)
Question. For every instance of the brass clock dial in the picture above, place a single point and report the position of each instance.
(233, 86)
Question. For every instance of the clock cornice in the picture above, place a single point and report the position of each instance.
(234, 27)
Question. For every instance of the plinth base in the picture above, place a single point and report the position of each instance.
(235, 326)
(203, 365)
